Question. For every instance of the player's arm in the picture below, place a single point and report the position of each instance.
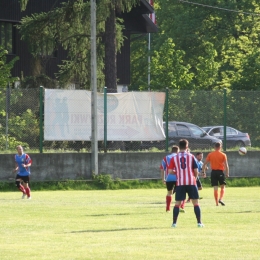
(196, 173)
(28, 161)
(162, 175)
(226, 168)
(195, 168)
(16, 168)
(204, 168)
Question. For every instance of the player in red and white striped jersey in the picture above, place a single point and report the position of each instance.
(186, 168)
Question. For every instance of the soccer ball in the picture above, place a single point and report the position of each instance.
(242, 151)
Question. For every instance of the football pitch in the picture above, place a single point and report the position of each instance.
(127, 224)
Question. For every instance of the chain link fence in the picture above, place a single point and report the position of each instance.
(20, 119)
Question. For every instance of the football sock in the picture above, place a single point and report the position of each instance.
(183, 204)
(28, 192)
(222, 192)
(168, 202)
(197, 213)
(176, 211)
(21, 188)
(216, 196)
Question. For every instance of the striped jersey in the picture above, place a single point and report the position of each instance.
(184, 164)
(23, 159)
(165, 166)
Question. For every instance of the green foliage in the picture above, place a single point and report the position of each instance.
(168, 68)
(10, 143)
(214, 48)
(5, 68)
(27, 123)
(69, 25)
(106, 182)
(39, 80)
(103, 181)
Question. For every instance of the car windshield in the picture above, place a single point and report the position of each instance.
(196, 130)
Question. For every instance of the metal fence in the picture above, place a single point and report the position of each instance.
(20, 118)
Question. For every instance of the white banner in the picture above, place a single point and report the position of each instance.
(131, 116)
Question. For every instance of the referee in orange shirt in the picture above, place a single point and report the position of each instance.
(218, 163)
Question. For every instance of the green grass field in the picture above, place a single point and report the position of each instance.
(127, 224)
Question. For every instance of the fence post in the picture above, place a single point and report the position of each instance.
(41, 118)
(105, 119)
(225, 120)
(8, 94)
(166, 118)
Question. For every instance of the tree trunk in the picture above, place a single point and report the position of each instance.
(110, 53)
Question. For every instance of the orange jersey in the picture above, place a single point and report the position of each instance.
(217, 159)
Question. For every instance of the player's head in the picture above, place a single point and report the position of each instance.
(19, 149)
(175, 149)
(199, 156)
(183, 144)
(217, 146)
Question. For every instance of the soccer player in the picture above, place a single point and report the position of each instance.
(186, 168)
(169, 179)
(218, 163)
(199, 157)
(22, 163)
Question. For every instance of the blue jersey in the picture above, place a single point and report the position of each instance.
(164, 166)
(200, 163)
(23, 159)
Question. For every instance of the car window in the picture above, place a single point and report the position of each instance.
(196, 130)
(231, 131)
(217, 131)
(172, 130)
(183, 130)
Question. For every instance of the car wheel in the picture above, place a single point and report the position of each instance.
(240, 144)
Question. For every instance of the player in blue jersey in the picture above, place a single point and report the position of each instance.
(169, 179)
(199, 158)
(22, 163)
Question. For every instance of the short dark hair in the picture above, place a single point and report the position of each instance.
(183, 144)
(175, 149)
(199, 153)
(217, 145)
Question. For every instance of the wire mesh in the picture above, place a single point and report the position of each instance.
(20, 115)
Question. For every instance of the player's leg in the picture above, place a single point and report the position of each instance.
(194, 195)
(26, 186)
(182, 206)
(169, 186)
(214, 184)
(18, 183)
(199, 185)
(222, 182)
(180, 195)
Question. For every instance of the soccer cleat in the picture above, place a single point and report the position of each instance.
(174, 225)
(200, 225)
(24, 194)
(29, 198)
(182, 210)
(221, 202)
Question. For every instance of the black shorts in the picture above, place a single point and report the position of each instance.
(25, 179)
(181, 191)
(218, 177)
(199, 185)
(170, 185)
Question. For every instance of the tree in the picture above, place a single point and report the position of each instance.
(69, 25)
(5, 68)
(220, 47)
